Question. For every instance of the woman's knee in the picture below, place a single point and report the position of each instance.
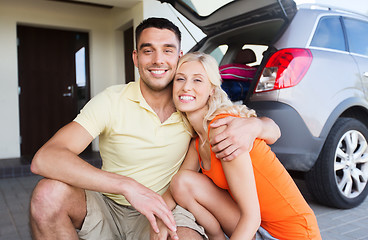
(184, 183)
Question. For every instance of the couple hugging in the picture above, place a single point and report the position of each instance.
(149, 186)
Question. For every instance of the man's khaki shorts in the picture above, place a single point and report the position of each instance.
(107, 220)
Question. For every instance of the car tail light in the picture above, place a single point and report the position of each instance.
(284, 69)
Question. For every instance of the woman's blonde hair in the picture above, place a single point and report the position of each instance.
(218, 102)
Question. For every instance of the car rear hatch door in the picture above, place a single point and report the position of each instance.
(216, 16)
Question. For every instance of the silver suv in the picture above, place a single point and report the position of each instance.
(311, 78)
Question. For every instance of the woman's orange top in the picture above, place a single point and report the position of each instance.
(284, 212)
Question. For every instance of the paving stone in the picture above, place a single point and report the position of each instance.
(332, 235)
(21, 220)
(356, 234)
(10, 237)
(363, 224)
(6, 218)
(8, 229)
(24, 233)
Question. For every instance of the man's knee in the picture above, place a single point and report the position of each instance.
(49, 199)
(188, 233)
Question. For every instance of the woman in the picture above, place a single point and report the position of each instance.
(232, 197)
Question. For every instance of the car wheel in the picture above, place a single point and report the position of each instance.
(339, 177)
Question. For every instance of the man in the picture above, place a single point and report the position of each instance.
(142, 143)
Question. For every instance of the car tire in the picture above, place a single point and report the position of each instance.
(339, 177)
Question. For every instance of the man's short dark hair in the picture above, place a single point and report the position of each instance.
(160, 23)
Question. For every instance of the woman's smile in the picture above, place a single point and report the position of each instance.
(186, 98)
(192, 87)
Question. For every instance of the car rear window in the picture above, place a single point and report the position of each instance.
(329, 34)
(357, 32)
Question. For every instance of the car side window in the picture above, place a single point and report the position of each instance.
(357, 32)
(219, 52)
(329, 34)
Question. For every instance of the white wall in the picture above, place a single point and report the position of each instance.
(122, 20)
(102, 25)
(9, 127)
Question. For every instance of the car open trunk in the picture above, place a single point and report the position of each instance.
(236, 25)
(222, 15)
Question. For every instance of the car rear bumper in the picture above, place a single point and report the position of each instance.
(297, 149)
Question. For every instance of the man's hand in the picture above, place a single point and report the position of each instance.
(151, 205)
(164, 232)
(239, 135)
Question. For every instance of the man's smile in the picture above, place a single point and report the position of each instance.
(157, 72)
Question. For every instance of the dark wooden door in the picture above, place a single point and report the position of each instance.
(128, 49)
(47, 83)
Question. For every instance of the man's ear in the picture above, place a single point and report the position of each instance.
(135, 58)
(181, 53)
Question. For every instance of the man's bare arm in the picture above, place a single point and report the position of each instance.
(240, 133)
(58, 159)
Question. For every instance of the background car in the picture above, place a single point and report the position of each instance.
(310, 75)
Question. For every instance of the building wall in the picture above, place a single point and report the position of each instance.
(103, 26)
(9, 127)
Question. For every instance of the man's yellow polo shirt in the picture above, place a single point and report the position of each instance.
(132, 140)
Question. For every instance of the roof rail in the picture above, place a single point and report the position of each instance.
(329, 8)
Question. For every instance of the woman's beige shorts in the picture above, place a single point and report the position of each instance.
(107, 220)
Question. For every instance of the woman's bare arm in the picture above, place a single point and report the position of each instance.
(240, 178)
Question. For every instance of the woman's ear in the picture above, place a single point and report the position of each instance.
(212, 91)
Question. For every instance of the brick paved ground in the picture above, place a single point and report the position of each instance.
(335, 224)
(14, 204)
